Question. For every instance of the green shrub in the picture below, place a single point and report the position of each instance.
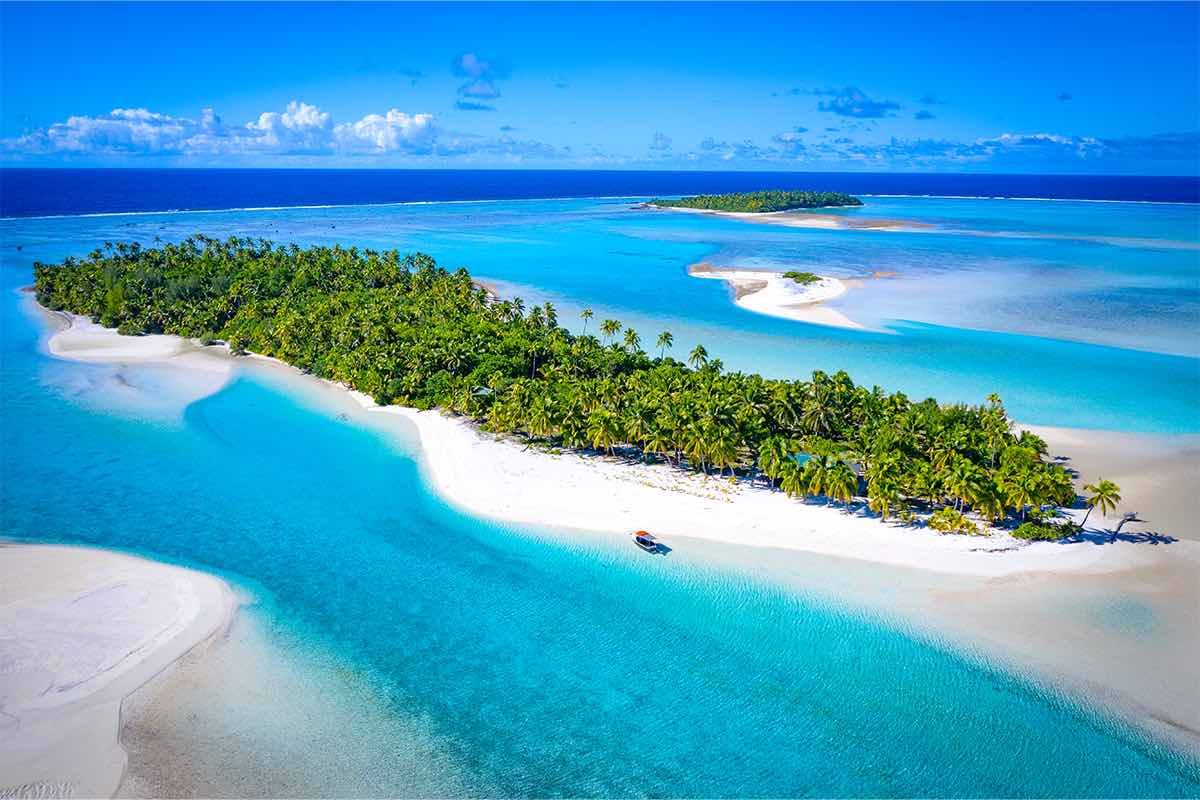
(947, 520)
(1044, 532)
(802, 278)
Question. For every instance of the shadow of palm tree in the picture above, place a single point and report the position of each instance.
(1112, 537)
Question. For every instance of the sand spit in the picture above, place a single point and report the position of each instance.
(82, 629)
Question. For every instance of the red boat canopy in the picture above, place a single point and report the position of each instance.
(644, 534)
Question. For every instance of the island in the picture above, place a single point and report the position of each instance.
(761, 202)
(798, 296)
(402, 330)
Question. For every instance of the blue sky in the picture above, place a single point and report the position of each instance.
(1079, 87)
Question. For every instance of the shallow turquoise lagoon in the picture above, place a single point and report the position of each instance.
(535, 666)
(1078, 314)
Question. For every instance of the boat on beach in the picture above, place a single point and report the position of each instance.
(646, 541)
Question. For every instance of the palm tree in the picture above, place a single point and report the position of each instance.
(817, 412)
(817, 470)
(603, 429)
(882, 497)
(1020, 489)
(698, 357)
(586, 315)
(841, 483)
(657, 442)
(989, 501)
(538, 418)
(791, 478)
(632, 340)
(664, 343)
(962, 479)
(774, 455)
(1105, 495)
(610, 328)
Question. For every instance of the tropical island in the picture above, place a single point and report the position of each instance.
(404, 331)
(761, 202)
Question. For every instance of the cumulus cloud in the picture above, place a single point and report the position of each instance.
(128, 130)
(300, 129)
(660, 142)
(924, 114)
(853, 102)
(392, 132)
(481, 76)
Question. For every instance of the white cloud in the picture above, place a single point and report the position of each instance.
(392, 132)
(300, 129)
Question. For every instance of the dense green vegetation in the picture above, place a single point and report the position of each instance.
(802, 278)
(760, 202)
(406, 331)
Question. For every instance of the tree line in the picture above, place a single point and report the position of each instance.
(406, 331)
(761, 202)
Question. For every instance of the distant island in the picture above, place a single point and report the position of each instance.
(405, 331)
(760, 202)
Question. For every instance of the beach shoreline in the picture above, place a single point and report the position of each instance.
(84, 629)
(805, 218)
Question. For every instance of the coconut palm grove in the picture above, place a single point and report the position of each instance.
(404, 330)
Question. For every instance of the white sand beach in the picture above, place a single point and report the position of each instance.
(1159, 475)
(500, 479)
(82, 629)
(770, 293)
(80, 339)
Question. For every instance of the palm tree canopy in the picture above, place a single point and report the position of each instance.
(1104, 495)
(402, 330)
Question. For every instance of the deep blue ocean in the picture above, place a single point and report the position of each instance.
(503, 661)
(52, 192)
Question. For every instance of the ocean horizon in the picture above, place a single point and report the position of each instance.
(67, 191)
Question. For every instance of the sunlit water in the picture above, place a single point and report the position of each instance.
(500, 661)
(1078, 313)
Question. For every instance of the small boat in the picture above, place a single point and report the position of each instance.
(646, 541)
